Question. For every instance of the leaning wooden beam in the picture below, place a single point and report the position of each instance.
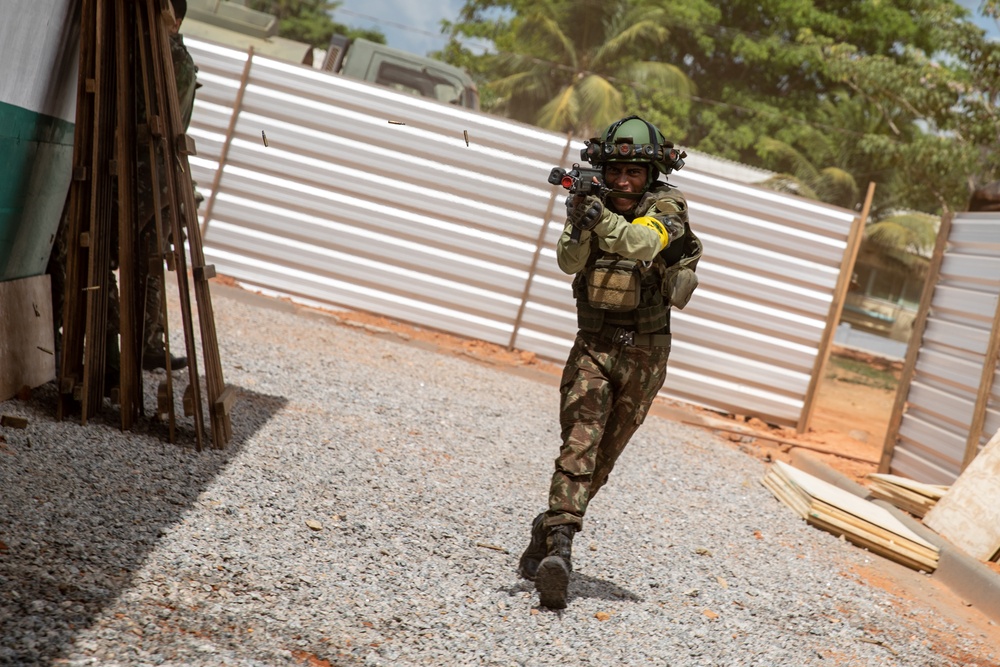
(179, 148)
(152, 137)
(836, 310)
(77, 223)
(167, 106)
(130, 296)
(100, 278)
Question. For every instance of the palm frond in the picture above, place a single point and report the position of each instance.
(561, 113)
(789, 184)
(663, 77)
(837, 186)
(783, 156)
(600, 103)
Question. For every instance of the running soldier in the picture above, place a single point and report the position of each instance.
(633, 256)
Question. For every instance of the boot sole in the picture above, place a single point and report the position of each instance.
(551, 582)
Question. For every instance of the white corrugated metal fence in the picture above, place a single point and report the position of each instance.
(950, 407)
(352, 195)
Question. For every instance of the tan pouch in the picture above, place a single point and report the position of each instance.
(613, 284)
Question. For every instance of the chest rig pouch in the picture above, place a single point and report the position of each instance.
(614, 284)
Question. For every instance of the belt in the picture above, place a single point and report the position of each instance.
(629, 338)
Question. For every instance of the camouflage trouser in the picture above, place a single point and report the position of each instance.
(606, 390)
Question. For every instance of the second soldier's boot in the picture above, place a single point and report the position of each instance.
(552, 579)
(536, 551)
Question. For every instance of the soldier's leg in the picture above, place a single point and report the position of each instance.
(639, 380)
(586, 401)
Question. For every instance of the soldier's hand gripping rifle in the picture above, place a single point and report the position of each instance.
(581, 183)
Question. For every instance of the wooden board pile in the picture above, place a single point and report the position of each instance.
(908, 495)
(842, 513)
(125, 54)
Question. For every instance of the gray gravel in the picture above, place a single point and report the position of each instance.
(421, 472)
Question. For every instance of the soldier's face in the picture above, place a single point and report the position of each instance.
(625, 177)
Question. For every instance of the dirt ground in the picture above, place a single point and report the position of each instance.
(847, 432)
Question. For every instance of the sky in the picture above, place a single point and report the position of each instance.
(415, 26)
(407, 24)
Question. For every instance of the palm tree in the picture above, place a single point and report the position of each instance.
(903, 242)
(567, 63)
(830, 184)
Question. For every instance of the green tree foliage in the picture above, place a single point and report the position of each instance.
(310, 21)
(830, 94)
(902, 243)
(569, 65)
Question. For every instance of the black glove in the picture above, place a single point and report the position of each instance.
(584, 212)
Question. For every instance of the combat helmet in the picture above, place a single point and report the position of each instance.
(633, 139)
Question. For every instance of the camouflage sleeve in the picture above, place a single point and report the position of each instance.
(572, 257)
(186, 75)
(618, 235)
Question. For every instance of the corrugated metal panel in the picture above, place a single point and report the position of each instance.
(947, 374)
(369, 199)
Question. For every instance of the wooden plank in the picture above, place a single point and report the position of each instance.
(875, 545)
(153, 140)
(836, 309)
(825, 492)
(934, 491)
(27, 347)
(787, 495)
(131, 296)
(917, 555)
(968, 515)
(908, 501)
(875, 533)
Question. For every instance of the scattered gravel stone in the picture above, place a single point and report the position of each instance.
(371, 509)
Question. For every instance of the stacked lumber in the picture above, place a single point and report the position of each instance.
(124, 54)
(908, 495)
(842, 513)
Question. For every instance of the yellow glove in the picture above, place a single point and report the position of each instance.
(656, 226)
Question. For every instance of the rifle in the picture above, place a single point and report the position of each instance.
(580, 181)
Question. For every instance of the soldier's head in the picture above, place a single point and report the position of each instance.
(632, 154)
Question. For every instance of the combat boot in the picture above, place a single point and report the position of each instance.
(552, 578)
(156, 358)
(527, 567)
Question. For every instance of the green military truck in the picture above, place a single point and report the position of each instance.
(231, 23)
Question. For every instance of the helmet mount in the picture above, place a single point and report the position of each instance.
(633, 139)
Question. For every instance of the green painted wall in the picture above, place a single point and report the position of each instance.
(36, 163)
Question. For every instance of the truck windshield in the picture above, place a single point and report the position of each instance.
(436, 85)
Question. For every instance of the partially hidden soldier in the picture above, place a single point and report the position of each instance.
(185, 74)
(634, 257)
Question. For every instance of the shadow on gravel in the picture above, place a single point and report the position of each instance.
(582, 586)
(81, 507)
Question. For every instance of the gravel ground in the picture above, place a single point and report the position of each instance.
(370, 511)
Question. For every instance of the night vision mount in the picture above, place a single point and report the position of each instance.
(663, 156)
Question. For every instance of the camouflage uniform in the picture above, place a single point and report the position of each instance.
(185, 73)
(607, 386)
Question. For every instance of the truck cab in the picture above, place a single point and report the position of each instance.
(232, 23)
(402, 71)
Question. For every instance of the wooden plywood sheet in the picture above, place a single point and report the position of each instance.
(27, 351)
(850, 503)
(968, 515)
(842, 513)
